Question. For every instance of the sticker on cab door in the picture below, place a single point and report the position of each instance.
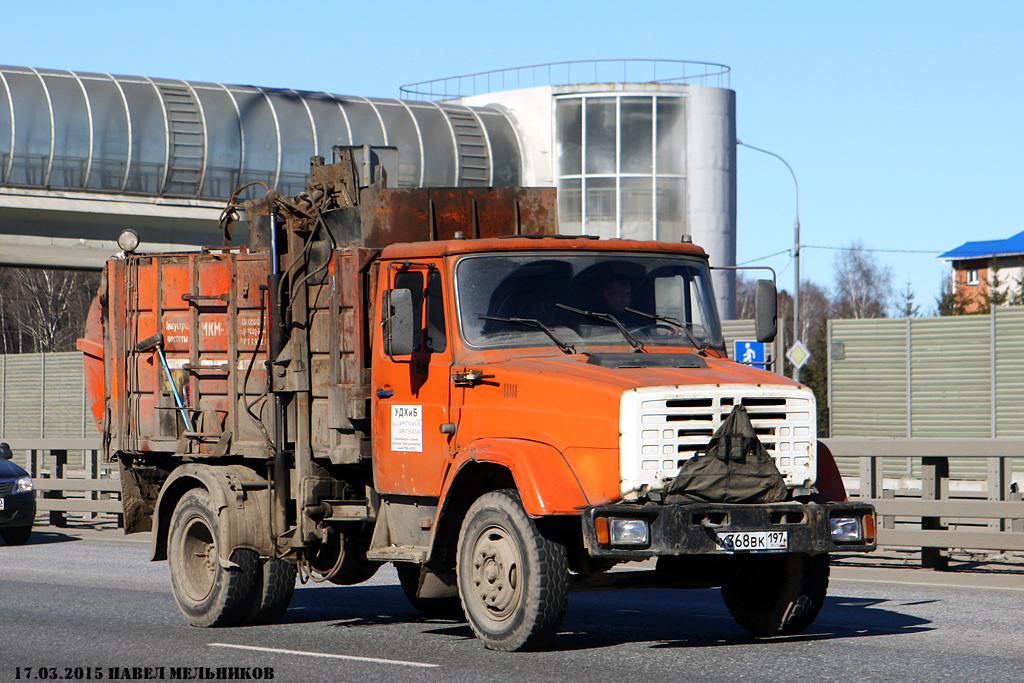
(407, 428)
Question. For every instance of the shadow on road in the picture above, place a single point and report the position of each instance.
(48, 538)
(663, 618)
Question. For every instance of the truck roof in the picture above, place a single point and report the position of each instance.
(538, 243)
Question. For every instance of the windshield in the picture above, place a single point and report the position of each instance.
(657, 300)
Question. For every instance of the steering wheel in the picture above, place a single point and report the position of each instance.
(656, 331)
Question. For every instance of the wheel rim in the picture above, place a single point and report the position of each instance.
(496, 573)
(199, 559)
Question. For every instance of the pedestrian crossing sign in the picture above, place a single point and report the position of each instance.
(749, 352)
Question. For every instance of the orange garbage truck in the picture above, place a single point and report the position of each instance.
(437, 379)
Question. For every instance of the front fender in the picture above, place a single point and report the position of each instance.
(240, 496)
(830, 482)
(547, 484)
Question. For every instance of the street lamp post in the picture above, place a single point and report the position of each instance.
(796, 250)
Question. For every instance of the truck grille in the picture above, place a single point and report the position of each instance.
(661, 427)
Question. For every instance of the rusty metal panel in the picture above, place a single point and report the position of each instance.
(397, 216)
(390, 216)
(208, 307)
(494, 212)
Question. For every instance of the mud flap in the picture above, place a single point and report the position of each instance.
(240, 498)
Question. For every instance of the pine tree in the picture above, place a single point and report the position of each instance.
(995, 294)
(907, 308)
(950, 302)
(1015, 293)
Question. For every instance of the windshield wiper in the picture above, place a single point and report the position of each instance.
(533, 322)
(670, 321)
(608, 317)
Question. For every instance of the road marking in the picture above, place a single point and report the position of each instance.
(325, 655)
(932, 580)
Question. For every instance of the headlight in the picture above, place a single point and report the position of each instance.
(846, 529)
(128, 240)
(23, 485)
(627, 531)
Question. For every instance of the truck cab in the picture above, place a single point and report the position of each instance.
(577, 377)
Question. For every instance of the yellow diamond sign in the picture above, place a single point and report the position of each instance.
(798, 354)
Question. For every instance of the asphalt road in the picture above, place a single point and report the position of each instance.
(78, 608)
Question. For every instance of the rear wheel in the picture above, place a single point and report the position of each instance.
(207, 592)
(777, 595)
(513, 581)
(16, 535)
(278, 585)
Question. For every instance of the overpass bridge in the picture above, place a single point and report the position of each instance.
(638, 149)
(85, 155)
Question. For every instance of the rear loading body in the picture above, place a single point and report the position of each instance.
(505, 417)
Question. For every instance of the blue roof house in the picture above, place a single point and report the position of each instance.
(979, 265)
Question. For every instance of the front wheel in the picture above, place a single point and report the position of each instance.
(207, 592)
(512, 579)
(16, 535)
(777, 594)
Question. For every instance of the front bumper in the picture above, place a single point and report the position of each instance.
(692, 529)
(19, 509)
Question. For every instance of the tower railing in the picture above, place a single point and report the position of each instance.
(580, 72)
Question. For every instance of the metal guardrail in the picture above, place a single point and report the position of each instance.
(936, 513)
(92, 493)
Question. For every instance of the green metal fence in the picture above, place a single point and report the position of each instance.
(956, 377)
(42, 396)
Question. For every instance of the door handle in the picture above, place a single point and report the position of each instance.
(385, 393)
(469, 378)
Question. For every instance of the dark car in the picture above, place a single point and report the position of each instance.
(17, 500)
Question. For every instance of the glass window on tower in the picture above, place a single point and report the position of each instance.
(637, 134)
(569, 136)
(621, 165)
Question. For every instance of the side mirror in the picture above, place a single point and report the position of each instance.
(5, 452)
(766, 309)
(397, 321)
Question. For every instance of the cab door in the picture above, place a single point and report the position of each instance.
(411, 394)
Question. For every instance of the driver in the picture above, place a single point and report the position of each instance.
(616, 293)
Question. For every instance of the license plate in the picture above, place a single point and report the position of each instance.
(753, 541)
(1, 503)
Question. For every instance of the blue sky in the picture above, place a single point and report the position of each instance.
(902, 120)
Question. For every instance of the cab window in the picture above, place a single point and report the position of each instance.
(428, 306)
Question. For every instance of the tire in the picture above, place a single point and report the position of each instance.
(207, 593)
(513, 581)
(16, 535)
(277, 581)
(777, 595)
(409, 577)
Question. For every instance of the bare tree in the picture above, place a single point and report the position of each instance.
(815, 309)
(863, 286)
(43, 310)
(745, 288)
